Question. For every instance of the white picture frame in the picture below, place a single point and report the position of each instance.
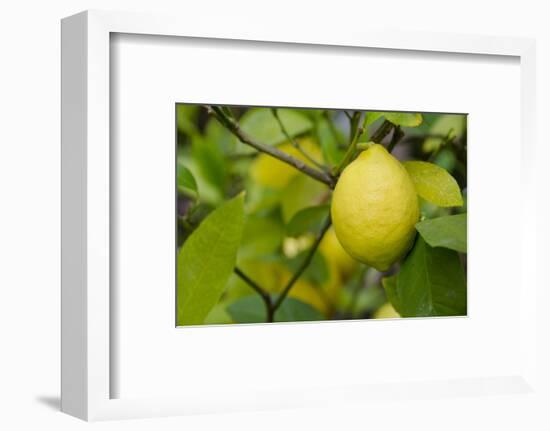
(87, 338)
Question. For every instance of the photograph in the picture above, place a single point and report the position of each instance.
(301, 215)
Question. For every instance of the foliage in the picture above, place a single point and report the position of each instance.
(251, 309)
(431, 282)
(447, 231)
(213, 244)
(434, 184)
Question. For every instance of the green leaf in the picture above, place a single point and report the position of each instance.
(404, 119)
(262, 236)
(446, 159)
(209, 193)
(252, 309)
(218, 135)
(206, 260)
(431, 282)
(300, 193)
(372, 116)
(329, 143)
(294, 310)
(428, 119)
(307, 220)
(249, 309)
(434, 184)
(186, 181)
(390, 286)
(211, 161)
(447, 231)
(186, 118)
(218, 315)
(260, 124)
(449, 126)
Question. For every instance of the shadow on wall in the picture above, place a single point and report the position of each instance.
(50, 401)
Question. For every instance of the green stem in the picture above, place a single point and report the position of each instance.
(305, 263)
(233, 126)
(354, 124)
(352, 148)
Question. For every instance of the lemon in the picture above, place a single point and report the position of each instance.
(271, 172)
(386, 311)
(375, 208)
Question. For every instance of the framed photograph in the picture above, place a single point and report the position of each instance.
(289, 215)
(315, 205)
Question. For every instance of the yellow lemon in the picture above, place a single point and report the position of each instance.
(386, 311)
(375, 208)
(271, 172)
(336, 257)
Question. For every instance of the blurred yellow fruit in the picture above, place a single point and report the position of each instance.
(336, 257)
(273, 277)
(271, 172)
(386, 311)
(375, 208)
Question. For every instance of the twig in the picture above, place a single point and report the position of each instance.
(304, 264)
(357, 131)
(449, 138)
(382, 132)
(233, 126)
(264, 295)
(294, 142)
(353, 125)
(396, 137)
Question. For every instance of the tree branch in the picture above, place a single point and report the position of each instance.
(233, 126)
(264, 295)
(304, 264)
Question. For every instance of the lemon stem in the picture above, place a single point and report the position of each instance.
(357, 131)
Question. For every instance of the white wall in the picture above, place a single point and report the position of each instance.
(29, 187)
